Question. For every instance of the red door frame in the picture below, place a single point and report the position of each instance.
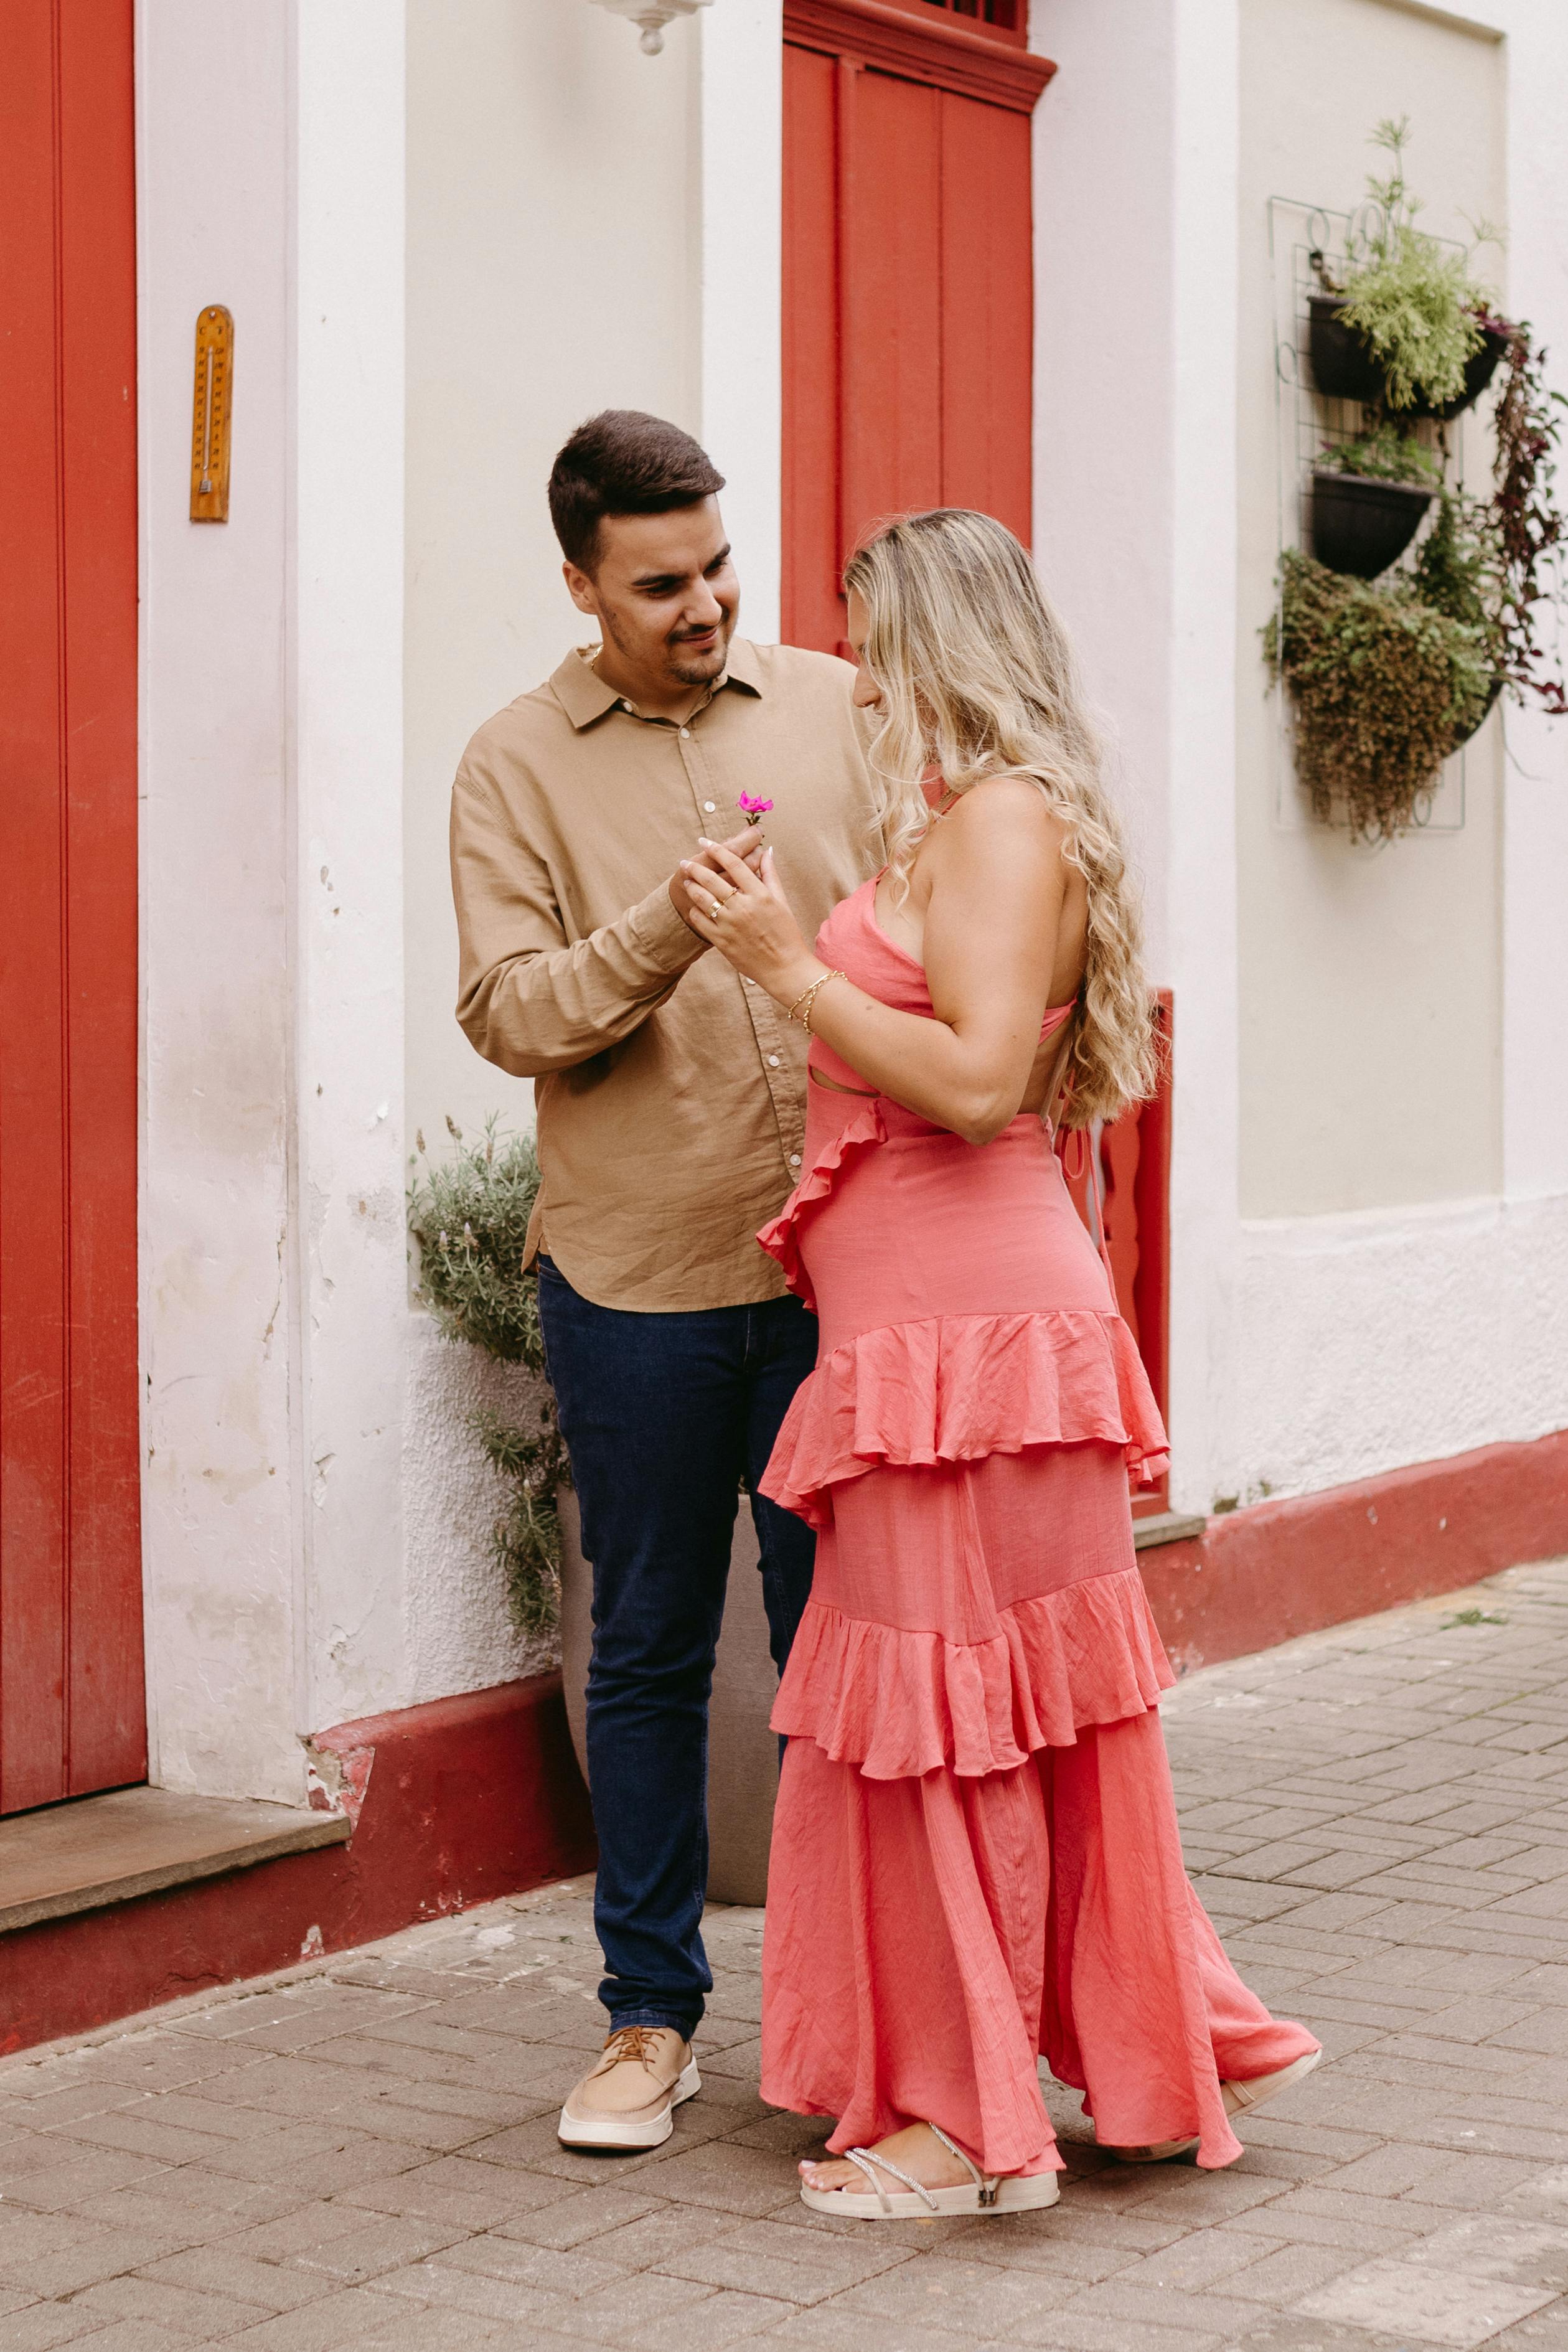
(72, 1708)
(889, 123)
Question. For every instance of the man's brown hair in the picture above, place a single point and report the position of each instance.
(623, 462)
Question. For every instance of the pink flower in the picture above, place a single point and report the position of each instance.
(754, 810)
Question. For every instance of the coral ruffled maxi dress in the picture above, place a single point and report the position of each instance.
(975, 1856)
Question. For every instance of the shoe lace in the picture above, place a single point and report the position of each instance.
(632, 2043)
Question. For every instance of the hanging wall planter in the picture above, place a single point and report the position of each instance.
(1361, 526)
(1342, 367)
(1345, 368)
(1480, 370)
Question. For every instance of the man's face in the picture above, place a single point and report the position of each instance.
(664, 592)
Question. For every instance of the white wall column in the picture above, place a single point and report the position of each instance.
(349, 1261)
(1535, 778)
(273, 1301)
(1135, 160)
(218, 1533)
(1201, 918)
(742, 132)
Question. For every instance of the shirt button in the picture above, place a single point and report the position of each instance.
(708, 806)
(685, 731)
(773, 1061)
(794, 1160)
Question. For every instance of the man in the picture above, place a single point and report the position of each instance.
(670, 1121)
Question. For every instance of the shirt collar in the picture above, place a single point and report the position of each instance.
(585, 697)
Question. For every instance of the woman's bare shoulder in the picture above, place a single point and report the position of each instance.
(1004, 819)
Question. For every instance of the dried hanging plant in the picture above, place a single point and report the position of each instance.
(1385, 686)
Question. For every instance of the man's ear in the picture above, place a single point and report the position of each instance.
(580, 588)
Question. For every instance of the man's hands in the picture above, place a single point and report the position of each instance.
(748, 846)
(743, 912)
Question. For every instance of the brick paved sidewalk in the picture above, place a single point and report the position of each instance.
(366, 2156)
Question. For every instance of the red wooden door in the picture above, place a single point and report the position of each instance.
(71, 1701)
(907, 283)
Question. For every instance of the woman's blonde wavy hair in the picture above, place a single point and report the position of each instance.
(978, 678)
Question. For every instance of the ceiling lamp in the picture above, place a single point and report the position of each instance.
(653, 15)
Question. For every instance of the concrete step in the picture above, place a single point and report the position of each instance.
(96, 1851)
(1165, 1527)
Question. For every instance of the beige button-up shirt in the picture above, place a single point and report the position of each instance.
(671, 1092)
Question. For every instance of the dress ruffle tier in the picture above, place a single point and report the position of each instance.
(896, 1703)
(957, 1388)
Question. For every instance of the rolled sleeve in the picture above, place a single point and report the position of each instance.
(530, 1000)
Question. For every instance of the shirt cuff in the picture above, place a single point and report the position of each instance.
(670, 945)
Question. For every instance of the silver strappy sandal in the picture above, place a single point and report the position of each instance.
(1008, 2192)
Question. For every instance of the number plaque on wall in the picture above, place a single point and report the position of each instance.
(210, 421)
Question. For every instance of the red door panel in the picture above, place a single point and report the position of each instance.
(71, 1706)
(892, 412)
(987, 311)
(811, 297)
(907, 311)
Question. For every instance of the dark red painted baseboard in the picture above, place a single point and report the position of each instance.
(1260, 1576)
(452, 1803)
(470, 1798)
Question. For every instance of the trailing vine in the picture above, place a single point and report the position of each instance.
(1529, 528)
(470, 1216)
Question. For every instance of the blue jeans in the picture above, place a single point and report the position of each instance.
(663, 1416)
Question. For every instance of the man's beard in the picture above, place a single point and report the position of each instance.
(700, 667)
(696, 669)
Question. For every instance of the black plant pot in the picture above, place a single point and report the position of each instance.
(1344, 369)
(1361, 526)
(1480, 370)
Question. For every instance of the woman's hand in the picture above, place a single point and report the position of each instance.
(748, 917)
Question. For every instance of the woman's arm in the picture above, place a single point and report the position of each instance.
(997, 884)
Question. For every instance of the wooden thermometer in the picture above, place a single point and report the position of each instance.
(210, 422)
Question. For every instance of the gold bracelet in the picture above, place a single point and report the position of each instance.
(808, 997)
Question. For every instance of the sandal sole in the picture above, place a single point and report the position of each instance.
(1019, 2194)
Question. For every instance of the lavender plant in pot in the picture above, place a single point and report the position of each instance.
(469, 1214)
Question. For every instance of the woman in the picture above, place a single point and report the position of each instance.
(975, 1855)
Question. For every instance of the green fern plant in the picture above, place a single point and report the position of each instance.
(469, 1214)
(1413, 301)
(1384, 454)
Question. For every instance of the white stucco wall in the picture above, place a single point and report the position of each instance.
(417, 327)
(1370, 979)
(1136, 528)
(588, 227)
(553, 269)
(274, 1288)
(1349, 1029)
(220, 1527)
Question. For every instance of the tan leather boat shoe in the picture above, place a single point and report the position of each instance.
(627, 2100)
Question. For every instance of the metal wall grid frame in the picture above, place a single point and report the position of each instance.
(1306, 425)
